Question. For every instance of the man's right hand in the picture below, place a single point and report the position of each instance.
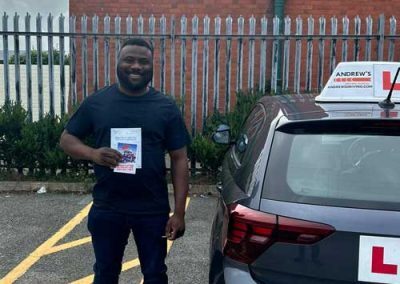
(106, 157)
(74, 147)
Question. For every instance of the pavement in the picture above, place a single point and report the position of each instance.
(82, 187)
(44, 239)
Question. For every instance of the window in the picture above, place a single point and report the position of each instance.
(352, 170)
(246, 140)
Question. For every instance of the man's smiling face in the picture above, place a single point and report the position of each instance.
(135, 68)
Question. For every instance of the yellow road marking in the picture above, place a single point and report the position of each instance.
(127, 265)
(169, 243)
(42, 250)
(69, 245)
(130, 264)
(85, 280)
(48, 247)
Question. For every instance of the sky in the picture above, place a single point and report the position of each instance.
(33, 7)
(44, 7)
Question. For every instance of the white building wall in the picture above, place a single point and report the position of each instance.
(35, 88)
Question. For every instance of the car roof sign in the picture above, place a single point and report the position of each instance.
(368, 81)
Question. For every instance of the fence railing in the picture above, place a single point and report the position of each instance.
(202, 62)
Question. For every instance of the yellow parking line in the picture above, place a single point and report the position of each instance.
(69, 245)
(169, 243)
(85, 280)
(127, 265)
(48, 247)
(130, 264)
(42, 250)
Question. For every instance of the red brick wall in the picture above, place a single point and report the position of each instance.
(339, 8)
(123, 8)
(223, 8)
(189, 8)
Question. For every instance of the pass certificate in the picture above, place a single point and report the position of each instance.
(127, 141)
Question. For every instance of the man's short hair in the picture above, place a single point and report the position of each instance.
(138, 42)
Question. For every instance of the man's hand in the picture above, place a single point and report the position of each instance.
(106, 157)
(179, 169)
(175, 227)
(74, 147)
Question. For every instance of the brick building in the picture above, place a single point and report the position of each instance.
(293, 8)
(222, 8)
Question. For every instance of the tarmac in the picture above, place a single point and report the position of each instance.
(44, 239)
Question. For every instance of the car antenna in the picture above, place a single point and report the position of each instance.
(387, 103)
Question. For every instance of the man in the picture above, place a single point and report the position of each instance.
(136, 201)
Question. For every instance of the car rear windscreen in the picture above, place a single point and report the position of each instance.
(345, 163)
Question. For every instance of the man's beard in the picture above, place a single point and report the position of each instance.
(128, 85)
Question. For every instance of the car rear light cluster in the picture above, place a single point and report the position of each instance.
(251, 232)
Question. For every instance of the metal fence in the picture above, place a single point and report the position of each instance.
(202, 62)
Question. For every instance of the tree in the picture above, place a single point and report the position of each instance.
(45, 58)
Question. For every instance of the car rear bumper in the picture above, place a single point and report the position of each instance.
(236, 273)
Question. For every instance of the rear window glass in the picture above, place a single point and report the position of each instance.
(351, 170)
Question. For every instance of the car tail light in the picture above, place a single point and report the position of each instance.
(251, 232)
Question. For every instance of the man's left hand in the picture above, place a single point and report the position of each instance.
(175, 227)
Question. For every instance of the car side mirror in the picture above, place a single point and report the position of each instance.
(222, 135)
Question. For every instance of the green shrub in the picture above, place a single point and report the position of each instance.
(35, 146)
(204, 150)
(30, 140)
(13, 119)
(45, 58)
(208, 154)
(45, 134)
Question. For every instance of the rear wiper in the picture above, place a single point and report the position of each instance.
(387, 103)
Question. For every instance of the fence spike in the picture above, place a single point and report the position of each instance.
(6, 58)
(357, 32)
(62, 103)
(28, 67)
(297, 67)
(239, 69)
(381, 36)
(393, 25)
(107, 48)
(321, 53)
(263, 54)
(252, 32)
(241, 39)
(140, 24)
(129, 24)
(204, 109)
(369, 22)
(217, 31)
(51, 65)
(228, 70)
(332, 56)
(183, 64)
(286, 54)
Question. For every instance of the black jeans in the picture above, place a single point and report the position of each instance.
(110, 232)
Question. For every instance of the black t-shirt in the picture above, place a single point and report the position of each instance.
(162, 129)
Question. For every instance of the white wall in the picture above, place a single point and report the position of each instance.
(35, 90)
